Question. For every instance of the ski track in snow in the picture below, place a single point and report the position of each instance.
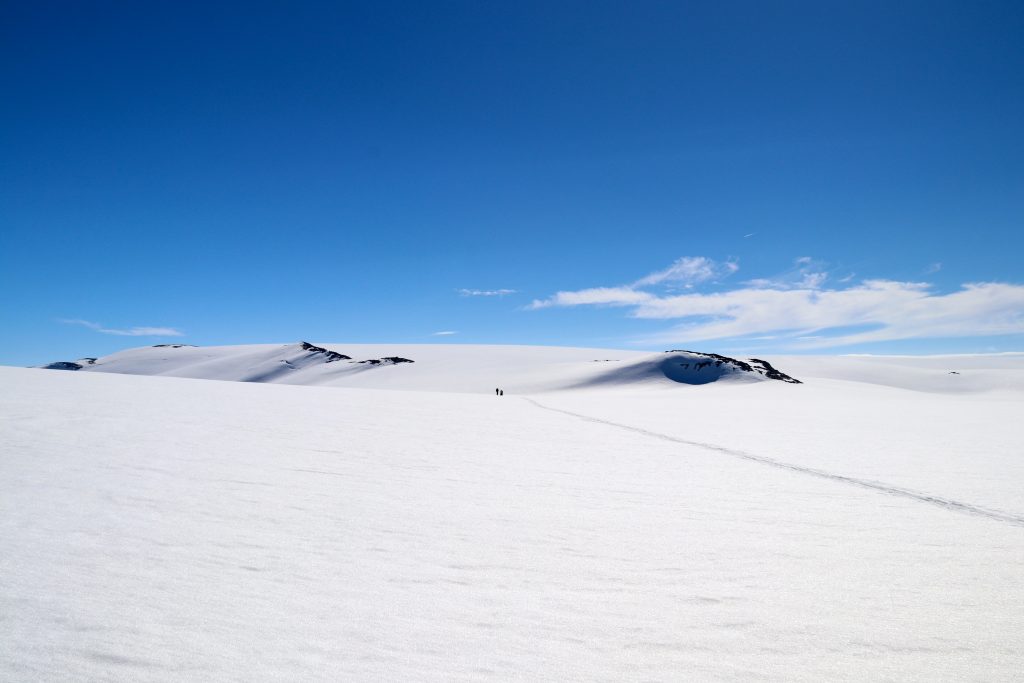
(946, 503)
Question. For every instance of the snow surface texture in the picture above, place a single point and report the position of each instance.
(165, 529)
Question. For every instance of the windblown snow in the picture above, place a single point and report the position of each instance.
(614, 516)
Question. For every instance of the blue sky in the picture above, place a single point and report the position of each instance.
(773, 177)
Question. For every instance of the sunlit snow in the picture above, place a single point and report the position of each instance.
(405, 523)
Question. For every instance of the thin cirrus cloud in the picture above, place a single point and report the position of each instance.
(485, 292)
(444, 333)
(796, 310)
(689, 271)
(129, 332)
(686, 272)
(806, 273)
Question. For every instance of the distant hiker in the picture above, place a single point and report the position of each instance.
(497, 392)
(501, 393)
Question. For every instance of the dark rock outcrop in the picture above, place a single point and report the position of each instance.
(761, 367)
(387, 360)
(63, 365)
(331, 356)
(766, 369)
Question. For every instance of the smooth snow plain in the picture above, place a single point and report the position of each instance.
(401, 522)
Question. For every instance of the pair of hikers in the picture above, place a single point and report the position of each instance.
(499, 392)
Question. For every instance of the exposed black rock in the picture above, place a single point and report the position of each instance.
(330, 355)
(63, 365)
(172, 346)
(387, 360)
(768, 371)
(761, 367)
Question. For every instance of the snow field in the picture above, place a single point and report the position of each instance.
(167, 529)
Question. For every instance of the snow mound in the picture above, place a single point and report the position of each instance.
(469, 368)
(447, 367)
(301, 363)
(689, 367)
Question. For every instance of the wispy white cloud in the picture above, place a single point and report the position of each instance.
(688, 270)
(486, 292)
(798, 311)
(806, 273)
(608, 296)
(444, 333)
(812, 280)
(883, 309)
(129, 332)
(933, 268)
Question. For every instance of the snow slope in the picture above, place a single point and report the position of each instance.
(161, 528)
(463, 368)
(425, 367)
(960, 373)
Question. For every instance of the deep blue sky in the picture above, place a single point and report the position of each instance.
(265, 172)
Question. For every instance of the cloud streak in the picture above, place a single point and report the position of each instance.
(607, 296)
(797, 310)
(688, 271)
(129, 332)
(485, 292)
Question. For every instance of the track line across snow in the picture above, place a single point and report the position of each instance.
(948, 504)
